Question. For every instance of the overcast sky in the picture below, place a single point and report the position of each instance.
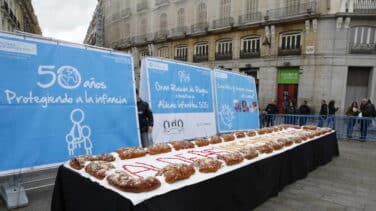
(64, 19)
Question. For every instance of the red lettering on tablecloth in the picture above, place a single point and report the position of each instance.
(135, 170)
(206, 152)
(184, 156)
(168, 159)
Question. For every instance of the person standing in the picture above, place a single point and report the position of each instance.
(290, 110)
(145, 120)
(332, 112)
(352, 113)
(366, 110)
(270, 111)
(323, 113)
(304, 110)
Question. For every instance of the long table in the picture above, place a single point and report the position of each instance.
(241, 189)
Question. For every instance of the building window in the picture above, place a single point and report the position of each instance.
(143, 27)
(363, 35)
(163, 52)
(163, 22)
(251, 6)
(251, 44)
(125, 31)
(225, 10)
(181, 17)
(181, 53)
(201, 49)
(144, 53)
(202, 13)
(291, 41)
(224, 47)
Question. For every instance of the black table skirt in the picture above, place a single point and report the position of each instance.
(242, 189)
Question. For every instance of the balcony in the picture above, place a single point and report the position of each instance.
(115, 16)
(249, 54)
(179, 31)
(223, 23)
(126, 13)
(200, 58)
(365, 6)
(122, 43)
(223, 56)
(200, 27)
(181, 58)
(363, 48)
(160, 3)
(140, 39)
(142, 6)
(289, 51)
(295, 10)
(161, 35)
(250, 18)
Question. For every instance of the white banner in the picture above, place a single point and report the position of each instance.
(181, 98)
(172, 127)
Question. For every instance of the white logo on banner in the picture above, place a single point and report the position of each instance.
(226, 115)
(68, 77)
(78, 134)
(184, 76)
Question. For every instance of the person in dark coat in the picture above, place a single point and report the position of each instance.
(304, 110)
(290, 110)
(352, 113)
(332, 112)
(323, 113)
(270, 111)
(145, 120)
(367, 111)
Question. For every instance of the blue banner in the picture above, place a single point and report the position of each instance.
(236, 102)
(62, 100)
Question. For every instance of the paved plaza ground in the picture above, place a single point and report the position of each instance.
(347, 183)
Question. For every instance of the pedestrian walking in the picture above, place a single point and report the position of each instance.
(352, 114)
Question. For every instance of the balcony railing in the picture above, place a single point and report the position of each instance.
(249, 54)
(297, 9)
(200, 58)
(250, 18)
(363, 48)
(365, 6)
(289, 51)
(161, 35)
(126, 13)
(142, 6)
(223, 22)
(179, 31)
(181, 58)
(200, 27)
(223, 56)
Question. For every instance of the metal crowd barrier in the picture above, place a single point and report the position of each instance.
(347, 127)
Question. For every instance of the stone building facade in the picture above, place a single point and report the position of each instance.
(18, 15)
(297, 50)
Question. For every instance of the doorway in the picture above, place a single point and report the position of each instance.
(288, 83)
(357, 84)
